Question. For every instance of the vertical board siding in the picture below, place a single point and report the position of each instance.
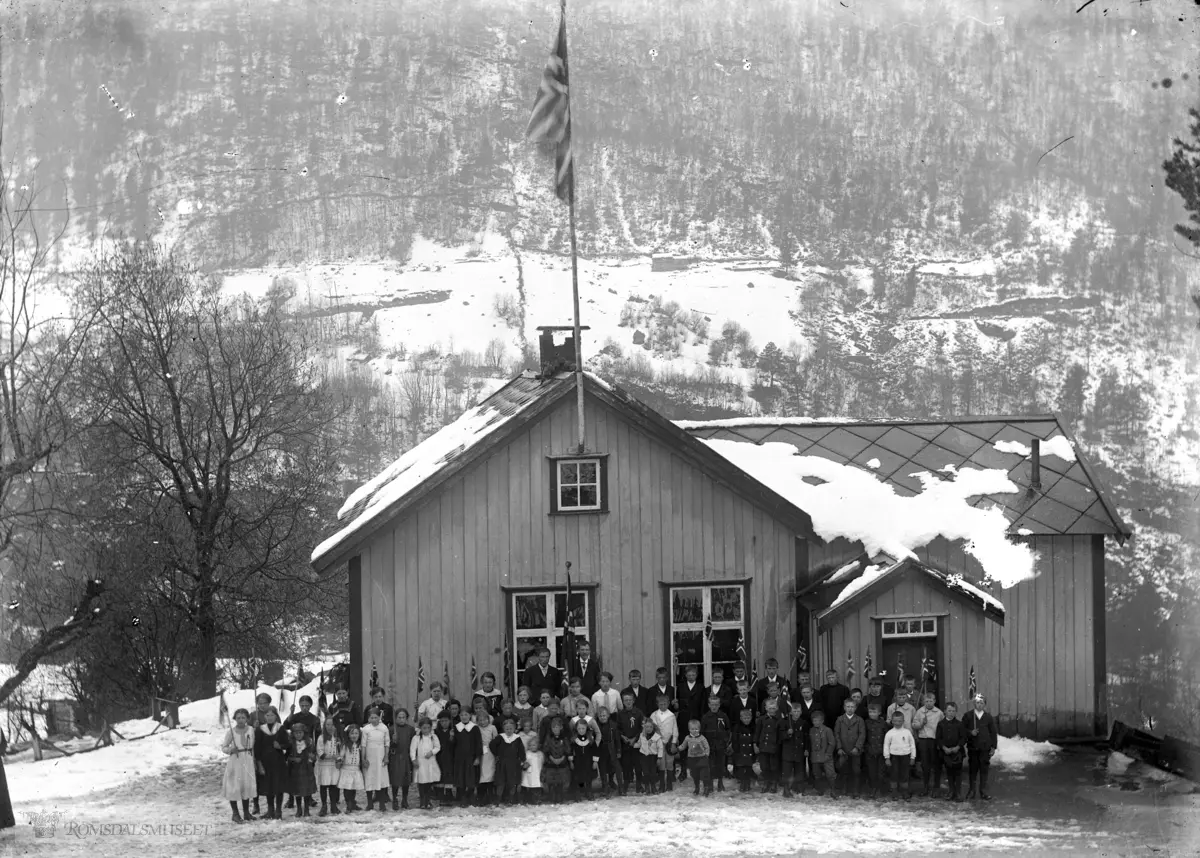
(429, 588)
(431, 584)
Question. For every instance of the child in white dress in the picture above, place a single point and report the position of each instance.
(375, 740)
(350, 776)
(531, 778)
(487, 765)
(328, 748)
(423, 751)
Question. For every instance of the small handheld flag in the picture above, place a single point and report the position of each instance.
(321, 704)
(223, 712)
(474, 675)
(374, 676)
(446, 677)
(899, 669)
(420, 676)
(741, 650)
(849, 667)
(550, 121)
(867, 665)
(754, 672)
(801, 657)
(708, 629)
(972, 689)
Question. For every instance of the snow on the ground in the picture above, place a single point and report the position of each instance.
(965, 268)
(855, 504)
(1017, 752)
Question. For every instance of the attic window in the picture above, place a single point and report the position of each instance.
(579, 485)
(914, 628)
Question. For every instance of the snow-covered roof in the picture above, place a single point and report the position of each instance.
(433, 457)
(1070, 499)
(854, 504)
(884, 567)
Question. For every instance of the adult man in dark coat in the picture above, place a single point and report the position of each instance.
(982, 741)
(542, 675)
(692, 699)
(586, 668)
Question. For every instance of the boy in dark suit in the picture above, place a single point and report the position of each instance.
(982, 740)
(643, 700)
(629, 727)
(772, 675)
(663, 686)
(722, 689)
(691, 696)
(832, 696)
(716, 729)
(742, 701)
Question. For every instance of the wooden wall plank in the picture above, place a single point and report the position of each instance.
(1043, 600)
(1063, 624)
(1081, 592)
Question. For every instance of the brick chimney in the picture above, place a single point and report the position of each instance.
(557, 357)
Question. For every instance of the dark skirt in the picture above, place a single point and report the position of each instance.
(555, 777)
(7, 820)
(301, 779)
(274, 779)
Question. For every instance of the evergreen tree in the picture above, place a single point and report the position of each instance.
(1183, 177)
(1073, 395)
(771, 363)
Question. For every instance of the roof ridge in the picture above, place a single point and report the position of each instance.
(871, 421)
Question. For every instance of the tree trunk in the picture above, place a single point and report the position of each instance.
(206, 623)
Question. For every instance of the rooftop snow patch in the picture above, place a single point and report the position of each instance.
(869, 574)
(1056, 446)
(855, 504)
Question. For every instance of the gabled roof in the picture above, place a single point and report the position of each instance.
(1070, 500)
(419, 472)
(839, 592)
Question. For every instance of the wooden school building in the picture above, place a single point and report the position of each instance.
(457, 554)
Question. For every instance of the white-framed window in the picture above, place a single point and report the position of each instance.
(579, 485)
(913, 627)
(707, 623)
(537, 619)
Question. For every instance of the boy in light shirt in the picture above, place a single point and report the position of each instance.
(904, 707)
(899, 753)
(924, 723)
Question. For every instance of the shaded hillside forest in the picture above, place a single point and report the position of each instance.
(810, 134)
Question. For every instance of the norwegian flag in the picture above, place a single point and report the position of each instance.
(741, 650)
(801, 657)
(223, 712)
(420, 676)
(928, 666)
(374, 676)
(849, 667)
(972, 689)
(899, 669)
(867, 664)
(708, 629)
(550, 121)
(474, 675)
(446, 677)
(321, 704)
(754, 673)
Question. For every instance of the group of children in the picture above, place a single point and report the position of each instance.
(835, 740)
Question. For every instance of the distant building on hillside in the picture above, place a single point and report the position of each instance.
(457, 552)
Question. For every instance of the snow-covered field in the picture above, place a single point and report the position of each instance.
(161, 796)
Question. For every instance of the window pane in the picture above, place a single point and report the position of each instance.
(902, 627)
(724, 647)
(889, 628)
(530, 611)
(726, 604)
(587, 496)
(568, 497)
(587, 472)
(527, 647)
(689, 649)
(687, 606)
(578, 606)
(927, 625)
(568, 473)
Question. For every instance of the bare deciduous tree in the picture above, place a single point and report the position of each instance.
(214, 433)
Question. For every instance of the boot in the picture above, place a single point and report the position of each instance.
(696, 791)
(971, 792)
(395, 799)
(720, 785)
(787, 790)
(925, 792)
(404, 799)
(246, 810)
(707, 790)
(299, 805)
(370, 800)
(324, 811)
(237, 817)
(307, 808)
(291, 802)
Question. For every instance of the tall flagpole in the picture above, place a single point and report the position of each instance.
(574, 250)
